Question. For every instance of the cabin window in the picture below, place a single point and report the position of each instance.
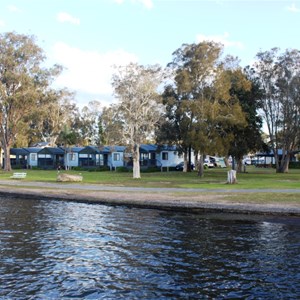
(72, 156)
(116, 156)
(152, 155)
(165, 155)
(99, 160)
(144, 156)
(45, 156)
(33, 156)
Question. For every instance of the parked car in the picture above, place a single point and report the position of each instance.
(247, 161)
(180, 166)
(208, 163)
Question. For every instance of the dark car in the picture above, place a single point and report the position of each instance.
(179, 167)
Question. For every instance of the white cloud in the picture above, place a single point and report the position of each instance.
(293, 8)
(65, 17)
(224, 39)
(88, 72)
(13, 8)
(146, 3)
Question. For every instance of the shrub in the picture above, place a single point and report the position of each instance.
(150, 170)
(294, 165)
(36, 168)
(91, 169)
(17, 167)
(122, 169)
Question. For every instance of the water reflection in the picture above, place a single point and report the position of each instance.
(55, 250)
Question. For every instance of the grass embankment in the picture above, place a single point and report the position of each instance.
(253, 178)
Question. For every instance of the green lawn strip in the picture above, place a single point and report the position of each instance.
(254, 178)
(244, 197)
(265, 198)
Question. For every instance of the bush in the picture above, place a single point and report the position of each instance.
(17, 167)
(91, 169)
(294, 165)
(122, 169)
(165, 169)
(150, 170)
(36, 168)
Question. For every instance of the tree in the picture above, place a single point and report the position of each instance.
(249, 138)
(279, 76)
(139, 108)
(199, 104)
(58, 110)
(112, 125)
(68, 137)
(22, 83)
(176, 124)
(90, 123)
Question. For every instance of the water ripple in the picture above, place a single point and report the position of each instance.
(60, 250)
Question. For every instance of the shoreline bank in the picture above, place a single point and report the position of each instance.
(188, 201)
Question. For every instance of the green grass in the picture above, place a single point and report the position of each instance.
(254, 178)
(265, 198)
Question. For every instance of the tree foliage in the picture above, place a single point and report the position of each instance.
(200, 107)
(88, 124)
(23, 83)
(57, 111)
(139, 109)
(279, 77)
(249, 138)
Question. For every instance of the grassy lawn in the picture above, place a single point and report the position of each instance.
(254, 178)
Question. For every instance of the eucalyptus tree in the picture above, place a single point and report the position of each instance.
(68, 137)
(58, 111)
(174, 127)
(112, 126)
(279, 76)
(199, 104)
(139, 108)
(90, 123)
(23, 82)
(249, 138)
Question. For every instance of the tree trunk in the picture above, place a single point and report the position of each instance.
(231, 177)
(189, 166)
(284, 165)
(52, 140)
(7, 164)
(200, 166)
(136, 162)
(276, 160)
(239, 165)
(233, 163)
(185, 161)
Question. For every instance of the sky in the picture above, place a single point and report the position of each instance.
(89, 37)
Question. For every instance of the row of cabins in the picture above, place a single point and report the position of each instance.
(91, 157)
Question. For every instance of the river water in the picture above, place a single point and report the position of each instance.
(67, 250)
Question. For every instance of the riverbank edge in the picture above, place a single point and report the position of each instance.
(213, 203)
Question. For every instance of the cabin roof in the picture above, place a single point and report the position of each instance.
(90, 150)
(52, 150)
(148, 148)
(19, 151)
